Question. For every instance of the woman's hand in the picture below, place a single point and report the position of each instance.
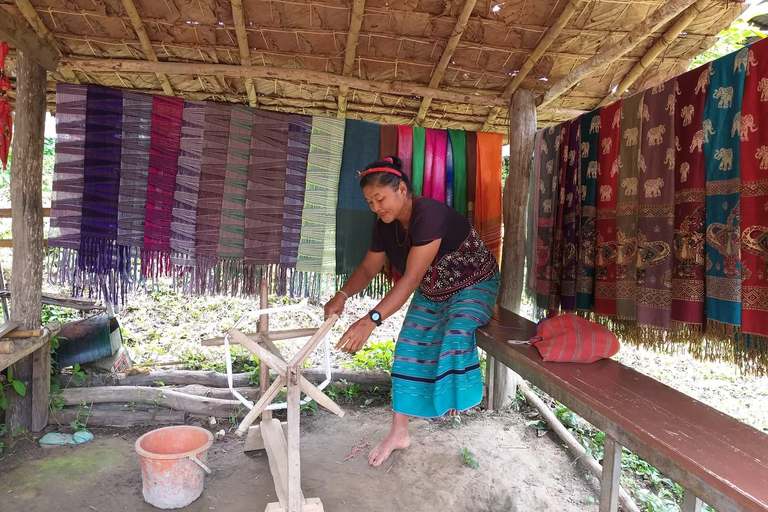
(335, 306)
(356, 336)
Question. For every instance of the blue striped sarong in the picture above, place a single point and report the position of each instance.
(436, 367)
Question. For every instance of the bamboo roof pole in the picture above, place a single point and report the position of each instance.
(641, 31)
(659, 46)
(445, 59)
(245, 50)
(355, 22)
(534, 57)
(146, 44)
(42, 30)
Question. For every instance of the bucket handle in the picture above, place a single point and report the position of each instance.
(197, 461)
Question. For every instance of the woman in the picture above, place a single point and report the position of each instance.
(455, 280)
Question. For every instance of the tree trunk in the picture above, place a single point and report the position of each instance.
(30, 411)
(522, 130)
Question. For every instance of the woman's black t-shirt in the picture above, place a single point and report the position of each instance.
(461, 261)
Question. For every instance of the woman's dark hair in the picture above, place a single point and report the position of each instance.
(384, 178)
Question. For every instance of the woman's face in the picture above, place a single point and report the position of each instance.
(386, 202)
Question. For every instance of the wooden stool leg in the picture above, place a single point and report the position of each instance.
(609, 485)
(294, 455)
(264, 329)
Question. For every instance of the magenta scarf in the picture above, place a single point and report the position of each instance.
(405, 147)
(434, 164)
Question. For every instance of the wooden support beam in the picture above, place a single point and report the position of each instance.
(534, 57)
(30, 411)
(445, 59)
(659, 46)
(263, 330)
(25, 347)
(691, 503)
(609, 483)
(260, 337)
(641, 31)
(29, 12)
(273, 73)
(238, 16)
(355, 22)
(295, 496)
(23, 38)
(146, 44)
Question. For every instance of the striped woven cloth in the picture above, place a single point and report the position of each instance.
(299, 132)
(317, 248)
(405, 148)
(235, 183)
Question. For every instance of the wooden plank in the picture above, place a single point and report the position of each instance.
(277, 452)
(7, 213)
(320, 397)
(313, 342)
(254, 441)
(259, 406)
(258, 337)
(295, 496)
(27, 333)
(263, 329)
(9, 326)
(24, 39)
(7, 347)
(262, 353)
(118, 415)
(720, 459)
(609, 483)
(691, 503)
(24, 348)
(8, 243)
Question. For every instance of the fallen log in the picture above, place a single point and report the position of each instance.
(116, 415)
(161, 397)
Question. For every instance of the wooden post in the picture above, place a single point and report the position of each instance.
(609, 484)
(295, 496)
(264, 328)
(691, 503)
(30, 411)
(522, 130)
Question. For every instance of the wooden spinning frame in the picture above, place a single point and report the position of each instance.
(270, 434)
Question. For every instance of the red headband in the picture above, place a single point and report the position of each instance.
(379, 169)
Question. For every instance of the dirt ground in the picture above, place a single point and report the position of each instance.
(518, 471)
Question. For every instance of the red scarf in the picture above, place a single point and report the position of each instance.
(6, 119)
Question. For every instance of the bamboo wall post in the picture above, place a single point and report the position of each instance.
(263, 329)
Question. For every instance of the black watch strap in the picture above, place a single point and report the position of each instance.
(375, 317)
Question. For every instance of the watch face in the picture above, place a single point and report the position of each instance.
(375, 316)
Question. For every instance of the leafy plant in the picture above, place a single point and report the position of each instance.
(81, 419)
(376, 356)
(469, 458)
(17, 386)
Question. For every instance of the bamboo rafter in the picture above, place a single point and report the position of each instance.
(238, 16)
(146, 44)
(355, 22)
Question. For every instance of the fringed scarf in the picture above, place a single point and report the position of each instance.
(299, 133)
(265, 198)
(317, 249)
(632, 117)
(101, 185)
(388, 140)
(459, 187)
(161, 183)
(754, 198)
(405, 148)
(555, 284)
(690, 210)
(547, 174)
(434, 164)
(354, 219)
(607, 182)
(417, 166)
(721, 145)
(589, 149)
(471, 174)
(571, 217)
(184, 219)
(449, 173)
(487, 220)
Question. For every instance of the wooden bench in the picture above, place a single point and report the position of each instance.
(714, 457)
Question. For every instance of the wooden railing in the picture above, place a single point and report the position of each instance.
(5, 213)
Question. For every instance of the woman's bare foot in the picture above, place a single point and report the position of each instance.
(453, 413)
(397, 439)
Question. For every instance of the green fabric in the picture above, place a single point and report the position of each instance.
(419, 150)
(459, 147)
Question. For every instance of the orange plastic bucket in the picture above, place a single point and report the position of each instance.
(173, 465)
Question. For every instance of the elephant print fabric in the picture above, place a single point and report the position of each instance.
(754, 194)
(547, 167)
(571, 208)
(608, 184)
(655, 209)
(585, 273)
(689, 181)
(722, 152)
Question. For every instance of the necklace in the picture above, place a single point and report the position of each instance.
(397, 237)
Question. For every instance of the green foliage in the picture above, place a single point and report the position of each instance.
(81, 419)
(504, 169)
(376, 356)
(732, 38)
(346, 391)
(469, 458)
(16, 385)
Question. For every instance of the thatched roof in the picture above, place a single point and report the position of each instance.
(403, 47)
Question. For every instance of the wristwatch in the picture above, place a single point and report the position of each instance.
(375, 317)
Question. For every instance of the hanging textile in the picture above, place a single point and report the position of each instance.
(547, 175)
(721, 146)
(690, 211)
(607, 183)
(434, 164)
(449, 173)
(183, 219)
(419, 152)
(317, 249)
(388, 139)
(299, 132)
(6, 112)
(405, 147)
(589, 150)
(487, 220)
(632, 117)
(265, 197)
(555, 284)
(471, 138)
(529, 288)
(67, 201)
(459, 152)
(161, 182)
(354, 218)
(101, 185)
(571, 216)
(754, 197)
